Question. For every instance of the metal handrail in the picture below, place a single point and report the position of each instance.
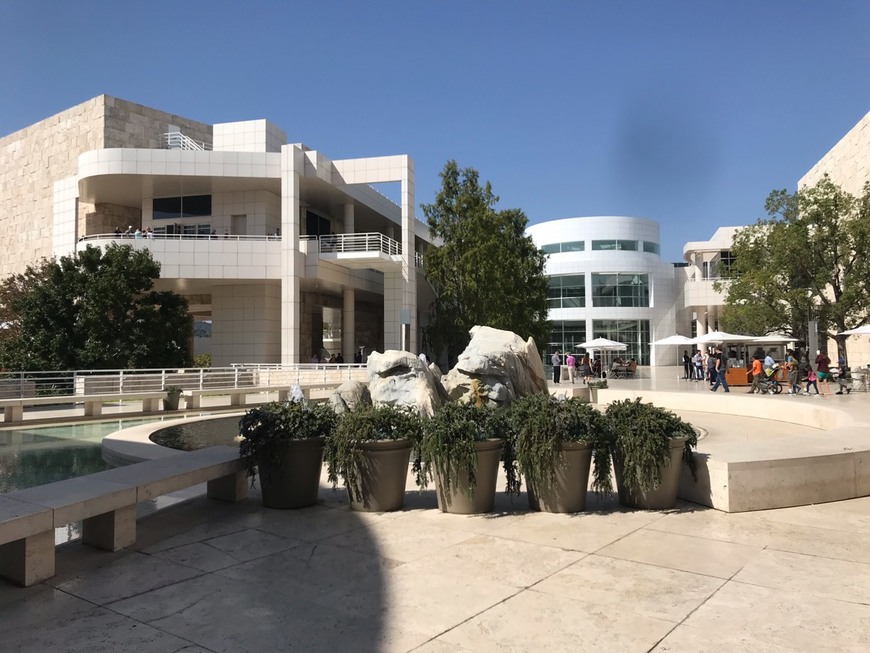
(154, 236)
(372, 241)
(15, 385)
(178, 141)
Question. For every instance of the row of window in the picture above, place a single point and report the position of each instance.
(190, 206)
(635, 334)
(608, 290)
(603, 245)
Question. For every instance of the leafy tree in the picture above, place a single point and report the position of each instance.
(810, 260)
(486, 270)
(92, 310)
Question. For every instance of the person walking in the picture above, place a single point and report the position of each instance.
(791, 364)
(811, 380)
(823, 370)
(698, 362)
(570, 362)
(586, 368)
(687, 365)
(556, 360)
(721, 362)
(710, 361)
(757, 373)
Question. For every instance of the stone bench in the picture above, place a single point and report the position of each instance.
(105, 503)
(13, 409)
(238, 396)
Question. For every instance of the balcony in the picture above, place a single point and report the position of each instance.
(700, 292)
(360, 251)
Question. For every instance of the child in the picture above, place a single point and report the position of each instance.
(811, 381)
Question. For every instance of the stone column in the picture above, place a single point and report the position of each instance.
(292, 168)
(348, 325)
(409, 270)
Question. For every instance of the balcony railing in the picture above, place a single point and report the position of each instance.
(178, 141)
(363, 242)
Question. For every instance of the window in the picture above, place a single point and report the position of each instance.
(572, 246)
(633, 333)
(651, 248)
(620, 289)
(602, 245)
(172, 208)
(565, 336)
(567, 292)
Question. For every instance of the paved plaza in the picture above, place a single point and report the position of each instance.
(207, 576)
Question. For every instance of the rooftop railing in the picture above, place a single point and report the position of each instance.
(178, 141)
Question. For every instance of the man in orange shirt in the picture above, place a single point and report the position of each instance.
(756, 374)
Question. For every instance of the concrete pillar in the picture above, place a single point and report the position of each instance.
(409, 270)
(292, 168)
(348, 219)
(348, 325)
(393, 297)
(248, 323)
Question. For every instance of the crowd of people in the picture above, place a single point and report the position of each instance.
(801, 374)
(587, 368)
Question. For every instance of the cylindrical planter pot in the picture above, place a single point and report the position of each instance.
(383, 477)
(171, 401)
(665, 495)
(293, 482)
(567, 492)
(456, 499)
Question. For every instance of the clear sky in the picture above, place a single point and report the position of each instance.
(688, 113)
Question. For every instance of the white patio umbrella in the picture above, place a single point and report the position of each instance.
(722, 336)
(603, 344)
(675, 339)
(858, 331)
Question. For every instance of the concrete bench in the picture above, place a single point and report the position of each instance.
(238, 396)
(105, 503)
(13, 409)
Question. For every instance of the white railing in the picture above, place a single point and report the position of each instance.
(178, 141)
(363, 242)
(153, 236)
(14, 385)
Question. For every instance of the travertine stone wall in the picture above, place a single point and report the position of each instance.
(104, 218)
(33, 158)
(847, 163)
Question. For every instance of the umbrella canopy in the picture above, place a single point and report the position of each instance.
(675, 339)
(861, 330)
(722, 336)
(603, 344)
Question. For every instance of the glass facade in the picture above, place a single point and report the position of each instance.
(601, 245)
(620, 289)
(567, 292)
(557, 248)
(651, 248)
(172, 208)
(565, 336)
(634, 333)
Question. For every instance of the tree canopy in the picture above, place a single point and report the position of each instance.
(486, 270)
(92, 310)
(809, 260)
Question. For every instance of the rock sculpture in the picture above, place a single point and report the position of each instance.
(349, 395)
(400, 378)
(506, 366)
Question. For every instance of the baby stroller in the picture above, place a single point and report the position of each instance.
(844, 379)
(768, 383)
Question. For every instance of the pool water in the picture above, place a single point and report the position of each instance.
(200, 434)
(31, 456)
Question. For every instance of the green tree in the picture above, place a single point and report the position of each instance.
(485, 270)
(93, 310)
(809, 260)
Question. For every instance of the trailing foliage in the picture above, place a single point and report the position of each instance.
(93, 310)
(448, 444)
(810, 260)
(486, 270)
(344, 454)
(639, 435)
(541, 423)
(267, 429)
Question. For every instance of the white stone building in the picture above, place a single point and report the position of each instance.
(285, 251)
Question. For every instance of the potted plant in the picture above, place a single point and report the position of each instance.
(284, 441)
(370, 450)
(553, 442)
(648, 444)
(460, 450)
(173, 394)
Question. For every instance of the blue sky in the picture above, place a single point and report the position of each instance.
(688, 113)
